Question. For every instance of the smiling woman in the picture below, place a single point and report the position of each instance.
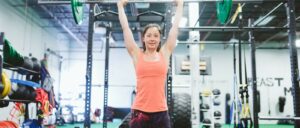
(151, 36)
(136, 78)
(151, 65)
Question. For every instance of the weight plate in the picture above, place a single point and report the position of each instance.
(223, 10)
(77, 10)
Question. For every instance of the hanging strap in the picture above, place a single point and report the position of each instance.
(236, 105)
(246, 109)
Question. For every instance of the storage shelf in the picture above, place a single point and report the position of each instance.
(21, 101)
(20, 70)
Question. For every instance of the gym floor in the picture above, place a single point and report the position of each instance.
(115, 125)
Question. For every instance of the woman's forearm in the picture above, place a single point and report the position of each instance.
(127, 33)
(123, 17)
(178, 14)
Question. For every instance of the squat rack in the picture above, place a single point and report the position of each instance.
(291, 27)
(290, 9)
(293, 57)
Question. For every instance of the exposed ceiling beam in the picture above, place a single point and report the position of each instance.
(77, 40)
(257, 22)
(275, 36)
(209, 33)
(298, 18)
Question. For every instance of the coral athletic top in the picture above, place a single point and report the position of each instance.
(151, 78)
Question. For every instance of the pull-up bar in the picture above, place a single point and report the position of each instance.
(223, 6)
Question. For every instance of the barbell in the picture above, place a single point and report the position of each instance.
(223, 7)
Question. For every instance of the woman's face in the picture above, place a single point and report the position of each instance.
(152, 38)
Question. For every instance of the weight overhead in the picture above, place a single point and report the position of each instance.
(223, 10)
(77, 10)
(223, 7)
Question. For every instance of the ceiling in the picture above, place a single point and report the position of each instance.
(59, 16)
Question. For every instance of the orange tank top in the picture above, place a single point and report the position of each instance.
(151, 78)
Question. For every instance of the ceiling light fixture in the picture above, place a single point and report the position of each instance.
(264, 21)
(298, 43)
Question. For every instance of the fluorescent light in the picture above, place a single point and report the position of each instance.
(142, 5)
(265, 21)
(233, 40)
(298, 43)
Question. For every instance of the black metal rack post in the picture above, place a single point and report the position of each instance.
(106, 71)
(169, 75)
(87, 122)
(291, 19)
(1, 61)
(253, 72)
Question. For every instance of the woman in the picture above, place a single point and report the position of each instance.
(149, 109)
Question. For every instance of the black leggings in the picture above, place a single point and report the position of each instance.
(141, 119)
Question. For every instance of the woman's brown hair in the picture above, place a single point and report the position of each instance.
(145, 30)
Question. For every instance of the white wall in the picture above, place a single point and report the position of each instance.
(121, 77)
(26, 36)
(270, 65)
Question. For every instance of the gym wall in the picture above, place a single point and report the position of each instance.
(28, 35)
(121, 78)
(272, 67)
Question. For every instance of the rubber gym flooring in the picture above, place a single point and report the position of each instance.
(115, 125)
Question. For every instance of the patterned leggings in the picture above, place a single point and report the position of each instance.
(141, 119)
